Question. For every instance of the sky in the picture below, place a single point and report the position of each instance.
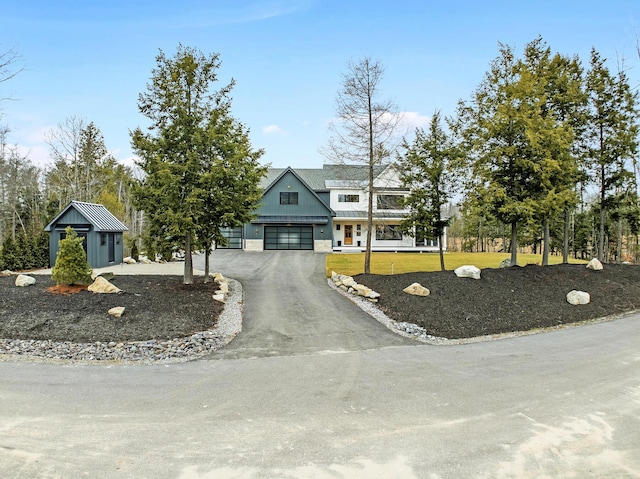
(91, 60)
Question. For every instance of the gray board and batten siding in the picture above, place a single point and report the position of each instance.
(101, 230)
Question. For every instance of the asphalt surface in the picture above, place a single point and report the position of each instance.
(554, 405)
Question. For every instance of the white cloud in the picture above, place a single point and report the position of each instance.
(413, 120)
(273, 130)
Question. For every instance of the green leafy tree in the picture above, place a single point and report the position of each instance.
(426, 170)
(71, 265)
(612, 138)
(182, 157)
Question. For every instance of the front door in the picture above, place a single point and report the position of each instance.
(348, 234)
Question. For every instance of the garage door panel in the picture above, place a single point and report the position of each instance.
(288, 237)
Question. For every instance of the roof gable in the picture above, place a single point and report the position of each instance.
(293, 172)
(99, 216)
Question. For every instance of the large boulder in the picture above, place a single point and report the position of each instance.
(578, 297)
(101, 285)
(595, 265)
(467, 271)
(24, 280)
(417, 289)
(129, 260)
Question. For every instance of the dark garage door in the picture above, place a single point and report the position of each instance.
(288, 237)
(234, 237)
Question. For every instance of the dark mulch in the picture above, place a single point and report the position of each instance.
(506, 300)
(156, 307)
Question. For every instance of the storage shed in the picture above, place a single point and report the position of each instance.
(101, 231)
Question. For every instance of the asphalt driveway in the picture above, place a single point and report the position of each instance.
(287, 402)
(289, 309)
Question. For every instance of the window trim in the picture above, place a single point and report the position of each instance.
(288, 197)
(384, 231)
(381, 200)
(348, 198)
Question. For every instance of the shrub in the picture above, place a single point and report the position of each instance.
(71, 262)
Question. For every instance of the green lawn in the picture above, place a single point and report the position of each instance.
(395, 263)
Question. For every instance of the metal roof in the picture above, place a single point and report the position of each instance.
(363, 215)
(99, 216)
(328, 175)
(318, 220)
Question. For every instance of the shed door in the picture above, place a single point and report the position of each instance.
(112, 247)
(288, 237)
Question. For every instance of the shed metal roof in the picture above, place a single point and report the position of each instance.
(98, 215)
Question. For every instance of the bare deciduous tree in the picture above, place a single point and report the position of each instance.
(365, 130)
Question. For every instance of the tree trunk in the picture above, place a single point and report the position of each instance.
(545, 243)
(514, 243)
(188, 261)
(441, 252)
(565, 237)
(206, 263)
(619, 252)
(367, 254)
(601, 236)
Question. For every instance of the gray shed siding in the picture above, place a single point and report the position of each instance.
(103, 248)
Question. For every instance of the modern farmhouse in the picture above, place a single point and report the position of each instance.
(325, 209)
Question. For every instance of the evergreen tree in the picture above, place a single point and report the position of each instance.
(10, 255)
(71, 262)
(181, 155)
(426, 170)
(25, 248)
(612, 138)
(495, 129)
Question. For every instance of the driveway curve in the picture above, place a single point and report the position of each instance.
(284, 402)
(289, 309)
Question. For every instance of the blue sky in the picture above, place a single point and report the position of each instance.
(92, 59)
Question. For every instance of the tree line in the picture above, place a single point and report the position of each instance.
(544, 153)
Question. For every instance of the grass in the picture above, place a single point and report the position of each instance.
(397, 263)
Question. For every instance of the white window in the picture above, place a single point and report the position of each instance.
(388, 232)
(389, 202)
(348, 198)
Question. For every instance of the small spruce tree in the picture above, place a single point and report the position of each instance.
(10, 257)
(71, 261)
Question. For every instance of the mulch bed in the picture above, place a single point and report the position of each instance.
(506, 300)
(156, 307)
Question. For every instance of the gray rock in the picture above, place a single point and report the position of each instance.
(595, 265)
(417, 289)
(24, 280)
(506, 263)
(576, 297)
(467, 271)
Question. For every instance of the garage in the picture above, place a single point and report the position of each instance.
(233, 236)
(288, 237)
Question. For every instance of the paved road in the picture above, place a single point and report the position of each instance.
(562, 404)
